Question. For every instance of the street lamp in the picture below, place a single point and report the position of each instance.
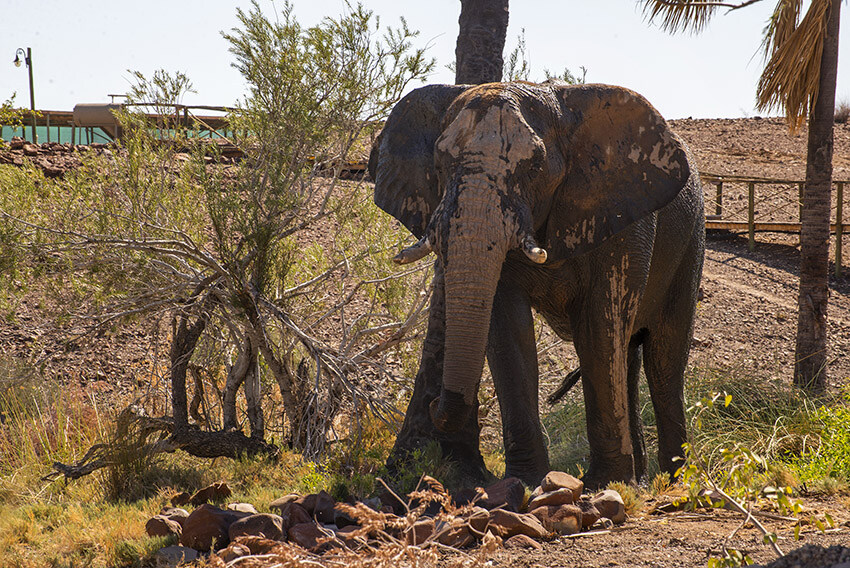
(28, 60)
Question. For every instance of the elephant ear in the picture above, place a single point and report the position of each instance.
(623, 163)
(402, 159)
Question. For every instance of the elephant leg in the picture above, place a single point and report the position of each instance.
(635, 421)
(665, 360)
(512, 357)
(417, 430)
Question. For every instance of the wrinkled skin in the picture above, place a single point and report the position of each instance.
(593, 175)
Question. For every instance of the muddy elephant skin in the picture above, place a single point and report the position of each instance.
(576, 201)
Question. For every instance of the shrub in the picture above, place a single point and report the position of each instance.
(842, 112)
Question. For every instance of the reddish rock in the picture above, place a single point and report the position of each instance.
(233, 551)
(589, 513)
(523, 541)
(308, 502)
(30, 150)
(212, 493)
(419, 532)
(561, 519)
(478, 519)
(555, 480)
(506, 524)
(181, 498)
(507, 493)
(323, 509)
(293, 514)
(342, 518)
(309, 536)
(457, 536)
(558, 497)
(610, 505)
(266, 525)
(207, 527)
(160, 525)
(349, 536)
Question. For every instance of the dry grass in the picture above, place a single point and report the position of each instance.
(842, 112)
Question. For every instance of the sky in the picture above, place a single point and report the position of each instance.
(82, 50)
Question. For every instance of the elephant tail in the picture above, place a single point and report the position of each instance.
(569, 382)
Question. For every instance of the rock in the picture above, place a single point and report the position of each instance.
(171, 556)
(478, 519)
(242, 508)
(419, 532)
(342, 518)
(523, 541)
(175, 514)
(293, 514)
(30, 149)
(281, 501)
(266, 525)
(610, 505)
(589, 513)
(181, 498)
(258, 544)
(555, 480)
(562, 496)
(16, 143)
(308, 536)
(389, 499)
(215, 492)
(507, 493)
(464, 496)
(457, 536)
(233, 551)
(323, 509)
(308, 502)
(207, 527)
(160, 525)
(506, 524)
(561, 519)
(348, 535)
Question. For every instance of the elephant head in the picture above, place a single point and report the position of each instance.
(483, 172)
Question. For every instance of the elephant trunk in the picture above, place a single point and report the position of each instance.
(478, 239)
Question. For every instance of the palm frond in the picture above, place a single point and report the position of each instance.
(680, 15)
(781, 25)
(792, 72)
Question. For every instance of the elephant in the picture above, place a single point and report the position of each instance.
(577, 202)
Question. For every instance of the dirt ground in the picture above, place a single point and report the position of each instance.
(746, 323)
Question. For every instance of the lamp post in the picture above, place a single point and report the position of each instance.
(28, 61)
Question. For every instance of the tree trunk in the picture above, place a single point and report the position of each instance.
(480, 41)
(810, 369)
(185, 338)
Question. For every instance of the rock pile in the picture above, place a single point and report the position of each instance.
(317, 523)
(53, 158)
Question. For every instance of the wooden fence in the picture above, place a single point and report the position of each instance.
(776, 208)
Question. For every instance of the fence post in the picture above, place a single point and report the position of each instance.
(751, 214)
(47, 116)
(839, 228)
(718, 200)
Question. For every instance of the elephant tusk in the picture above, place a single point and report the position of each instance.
(533, 252)
(414, 252)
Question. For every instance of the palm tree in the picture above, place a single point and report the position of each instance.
(799, 77)
(480, 41)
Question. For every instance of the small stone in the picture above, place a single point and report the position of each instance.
(160, 525)
(281, 501)
(589, 513)
(233, 551)
(30, 150)
(478, 519)
(507, 493)
(561, 519)
(555, 480)
(523, 541)
(266, 525)
(171, 556)
(242, 508)
(211, 493)
(419, 532)
(563, 496)
(610, 505)
(457, 536)
(181, 498)
(175, 514)
(348, 535)
(506, 524)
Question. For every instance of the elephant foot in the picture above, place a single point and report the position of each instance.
(599, 475)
